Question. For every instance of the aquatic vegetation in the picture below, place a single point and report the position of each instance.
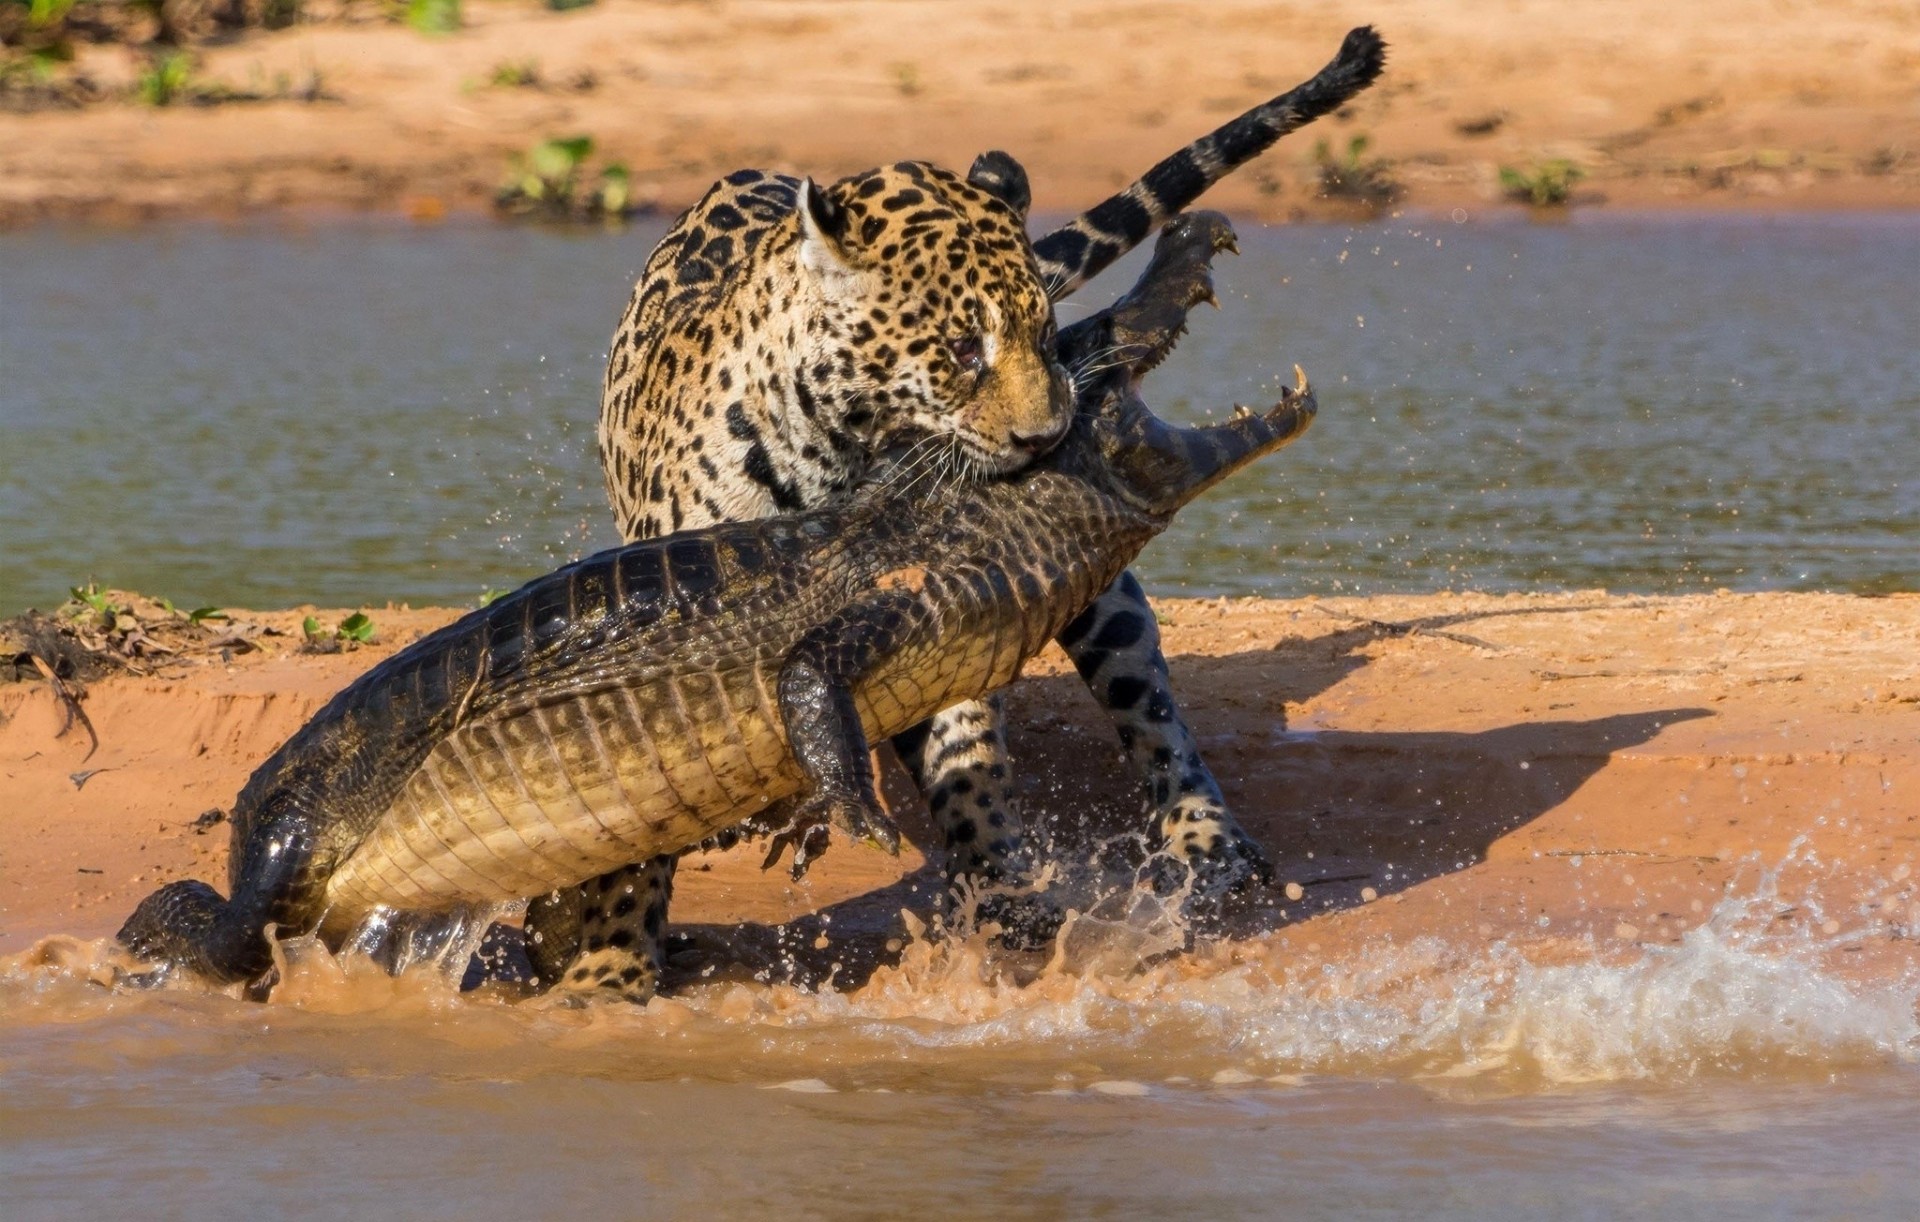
(100, 631)
(1353, 177)
(546, 182)
(1545, 184)
(169, 80)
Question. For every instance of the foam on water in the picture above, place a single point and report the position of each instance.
(1732, 997)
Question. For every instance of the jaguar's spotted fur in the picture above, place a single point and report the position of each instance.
(783, 334)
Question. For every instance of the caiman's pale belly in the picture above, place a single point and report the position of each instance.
(513, 806)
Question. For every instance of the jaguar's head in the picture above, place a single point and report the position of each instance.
(926, 315)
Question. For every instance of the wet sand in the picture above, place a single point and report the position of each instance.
(1725, 104)
(1571, 774)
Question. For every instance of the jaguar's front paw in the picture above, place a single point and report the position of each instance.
(1205, 853)
(1027, 920)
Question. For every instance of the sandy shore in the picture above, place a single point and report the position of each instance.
(1720, 104)
(1559, 771)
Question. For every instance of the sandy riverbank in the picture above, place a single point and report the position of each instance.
(1739, 104)
(1558, 771)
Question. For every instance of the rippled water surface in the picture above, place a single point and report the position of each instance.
(358, 412)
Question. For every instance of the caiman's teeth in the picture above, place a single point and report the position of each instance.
(1211, 298)
(1151, 361)
(1242, 412)
(1300, 384)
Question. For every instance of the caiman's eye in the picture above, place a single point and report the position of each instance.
(968, 352)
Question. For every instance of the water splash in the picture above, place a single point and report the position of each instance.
(1109, 1003)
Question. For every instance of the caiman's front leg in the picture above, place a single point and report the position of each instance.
(606, 938)
(816, 694)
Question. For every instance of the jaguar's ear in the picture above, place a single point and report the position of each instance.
(1000, 175)
(823, 226)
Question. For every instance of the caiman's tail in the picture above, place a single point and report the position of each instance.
(1083, 247)
(190, 925)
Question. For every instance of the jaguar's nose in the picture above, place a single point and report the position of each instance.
(1040, 443)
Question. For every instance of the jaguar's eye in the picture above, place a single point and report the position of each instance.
(967, 352)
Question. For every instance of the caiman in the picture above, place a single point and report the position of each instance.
(638, 701)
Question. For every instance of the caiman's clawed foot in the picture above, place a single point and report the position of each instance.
(858, 815)
(807, 841)
(1149, 320)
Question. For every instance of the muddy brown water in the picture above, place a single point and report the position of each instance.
(360, 412)
(1728, 1076)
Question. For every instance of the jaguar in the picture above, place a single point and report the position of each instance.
(784, 336)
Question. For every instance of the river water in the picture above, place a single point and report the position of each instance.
(362, 412)
(1729, 1076)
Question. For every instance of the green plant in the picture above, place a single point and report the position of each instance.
(561, 6)
(92, 598)
(196, 616)
(615, 196)
(43, 14)
(1353, 176)
(169, 76)
(434, 16)
(1546, 184)
(515, 74)
(356, 629)
(490, 596)
(40, 40)
(546, 181)
(551, 171)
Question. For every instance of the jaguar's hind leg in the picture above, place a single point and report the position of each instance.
(605, 938)
(959, 759)
(1115, 645)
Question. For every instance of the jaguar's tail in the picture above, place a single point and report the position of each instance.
(1083, 247)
